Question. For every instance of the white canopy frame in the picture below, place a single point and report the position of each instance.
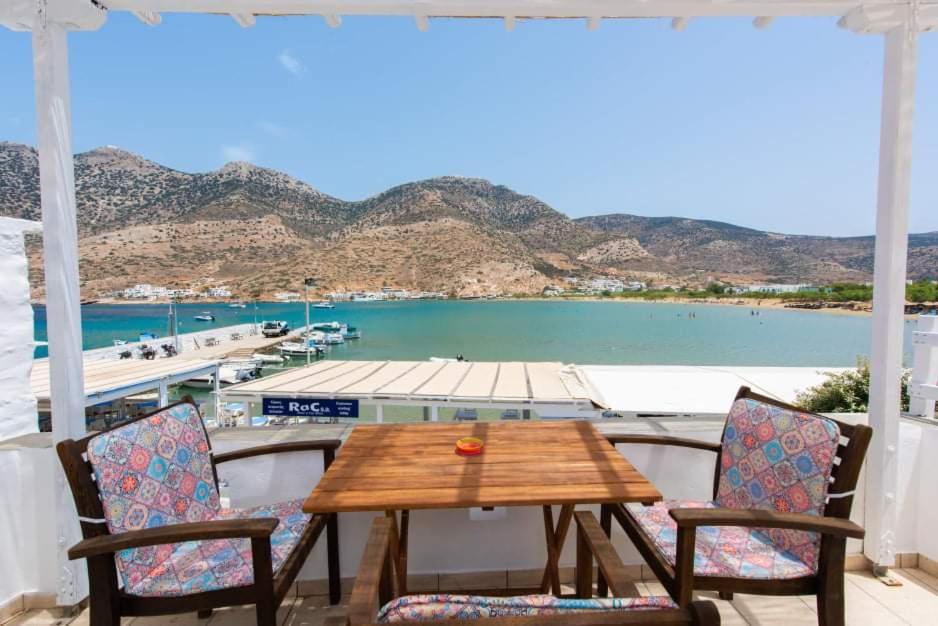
(900, 21)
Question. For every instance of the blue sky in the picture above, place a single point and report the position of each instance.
(775, 129)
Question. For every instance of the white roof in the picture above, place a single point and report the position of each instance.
(110, 380)
(690, 389)
(425, 382)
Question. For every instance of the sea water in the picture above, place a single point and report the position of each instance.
(597, 332)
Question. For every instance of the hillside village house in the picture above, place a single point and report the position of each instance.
(895, 501)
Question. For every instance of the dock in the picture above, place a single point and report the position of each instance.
(239, 341)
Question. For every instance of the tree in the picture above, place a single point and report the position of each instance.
(716, 289)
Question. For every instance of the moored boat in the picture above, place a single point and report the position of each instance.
(325, 304)
(296, 348)
(204, 316)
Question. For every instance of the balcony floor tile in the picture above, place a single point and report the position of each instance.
(868, 602)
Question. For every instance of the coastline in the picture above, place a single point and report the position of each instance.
(751, 303)
(724, 302)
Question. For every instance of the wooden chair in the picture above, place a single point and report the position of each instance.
(374, 587)
(147, 486)
(734, 543)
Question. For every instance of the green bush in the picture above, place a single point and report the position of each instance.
(846, 392)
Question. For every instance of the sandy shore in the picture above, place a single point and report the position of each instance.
(755, 305)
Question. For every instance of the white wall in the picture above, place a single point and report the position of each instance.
(27, 531)
(917, 528)
(17, 403)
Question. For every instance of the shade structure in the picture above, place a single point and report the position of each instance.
(111, 380)
(427, 382)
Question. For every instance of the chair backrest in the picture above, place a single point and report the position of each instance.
(777, 456)
(95, 465)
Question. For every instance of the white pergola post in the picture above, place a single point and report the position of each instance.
(63, 305)
(895, 160)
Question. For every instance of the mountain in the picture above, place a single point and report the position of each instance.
(260, 231)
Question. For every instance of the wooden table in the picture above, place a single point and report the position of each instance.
(403, 467)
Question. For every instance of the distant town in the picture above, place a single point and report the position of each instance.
(571, 287)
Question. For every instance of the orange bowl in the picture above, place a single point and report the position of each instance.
(469, 445)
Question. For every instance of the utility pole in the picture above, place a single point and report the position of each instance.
(307, 283)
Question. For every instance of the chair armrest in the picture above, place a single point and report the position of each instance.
(662, 440)
(592, 543)
(277, 448)
(256, 528)
(372, 580)
(755, 518)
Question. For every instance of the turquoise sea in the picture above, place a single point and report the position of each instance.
(605, 332)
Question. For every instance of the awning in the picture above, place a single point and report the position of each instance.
(111, 380)
(693, 389)
(426, 382)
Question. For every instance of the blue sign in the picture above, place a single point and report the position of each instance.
(308, 407)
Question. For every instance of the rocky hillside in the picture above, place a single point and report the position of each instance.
(260, 231)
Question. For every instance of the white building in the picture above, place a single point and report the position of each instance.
(612, 285)
(218, 292)
(287, 296)
(774, 288)
(144, 291)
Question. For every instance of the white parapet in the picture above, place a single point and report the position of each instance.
(17, 402)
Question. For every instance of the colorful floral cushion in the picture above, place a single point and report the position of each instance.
(432, 607)
(719, 550)
(779, 460)
(156, 472)
(198, 566)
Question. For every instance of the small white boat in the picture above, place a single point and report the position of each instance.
(295, 348)
(205, 316)
(353, 333)
(329, 327)
(324, 305)
(267, 358)
(230, 373)
(237, 305)
(333, 339)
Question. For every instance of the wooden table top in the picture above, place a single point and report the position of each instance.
(415, 466)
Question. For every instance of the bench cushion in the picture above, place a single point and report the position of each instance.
(197, 566)
(432, 607)
(780, 460)
(720, 550)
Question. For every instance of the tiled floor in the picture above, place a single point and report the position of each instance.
(869, 602)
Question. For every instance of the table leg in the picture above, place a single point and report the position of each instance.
(399, 548)
(605, 522)
(555, 538)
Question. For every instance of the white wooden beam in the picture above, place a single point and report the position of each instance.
(423, 23)
(519, 8)
(510, 23)
(866, 19)
(244, 20)
(63, 301)
(889, 275)
(592, 23)
(150, 18)
(332, 20)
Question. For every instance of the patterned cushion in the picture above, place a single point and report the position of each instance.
(154, 472)
(720, 550)
(198, 566)
(778, 460)
(157, 471)
(428, 608)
